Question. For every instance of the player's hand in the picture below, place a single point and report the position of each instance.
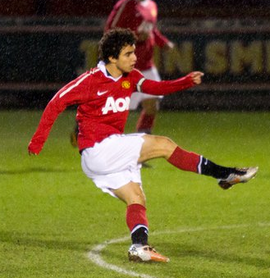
(34, 149)
(169, 46)
(196, 77)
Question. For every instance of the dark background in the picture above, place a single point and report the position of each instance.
(168, 8)
(39, 42)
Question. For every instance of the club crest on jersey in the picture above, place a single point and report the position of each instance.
(126, 84)
(116, 105)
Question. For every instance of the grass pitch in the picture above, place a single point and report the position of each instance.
(52, 215)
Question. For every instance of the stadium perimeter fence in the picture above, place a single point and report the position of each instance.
(38, 56)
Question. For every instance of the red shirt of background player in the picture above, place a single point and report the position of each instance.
(140, 17)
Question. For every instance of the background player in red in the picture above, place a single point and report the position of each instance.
(109, 157)
(141, 17)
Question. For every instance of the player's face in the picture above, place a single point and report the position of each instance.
(127, 59)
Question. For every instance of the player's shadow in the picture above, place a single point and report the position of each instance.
(35, 170)
(34, 240)
(189, 251)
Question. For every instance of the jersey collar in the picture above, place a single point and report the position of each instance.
(101, 66)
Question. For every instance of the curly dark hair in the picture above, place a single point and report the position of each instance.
(113, 41)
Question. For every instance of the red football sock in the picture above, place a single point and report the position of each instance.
(184, 160)
(145, 122)
(136, 216)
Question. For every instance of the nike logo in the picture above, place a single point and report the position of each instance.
(101, 93)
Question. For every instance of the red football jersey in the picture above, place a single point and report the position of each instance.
(103, 104)
(140, 17)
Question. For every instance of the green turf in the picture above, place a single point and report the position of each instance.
(51, 215)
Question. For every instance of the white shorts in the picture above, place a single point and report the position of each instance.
(113, 162)
(136, 97)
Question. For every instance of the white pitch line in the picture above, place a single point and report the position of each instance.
(95, 257)
(95, 254)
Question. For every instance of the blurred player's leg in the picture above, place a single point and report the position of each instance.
(74, 136)
(147, 117)
(150, 105)
(146, 121)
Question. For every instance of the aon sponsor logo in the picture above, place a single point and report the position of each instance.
(118, 105)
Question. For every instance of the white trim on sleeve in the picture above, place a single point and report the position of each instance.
(139, 85)
(77, 83)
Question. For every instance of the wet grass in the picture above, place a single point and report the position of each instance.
(51, 215)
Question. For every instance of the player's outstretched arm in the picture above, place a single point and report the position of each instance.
(170, 86)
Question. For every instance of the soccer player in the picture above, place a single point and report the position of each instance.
(113, 159)
(141, 17)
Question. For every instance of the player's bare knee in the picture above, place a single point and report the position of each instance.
(156, 146)
(131, 193)
(166, 145)
(137, 197)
